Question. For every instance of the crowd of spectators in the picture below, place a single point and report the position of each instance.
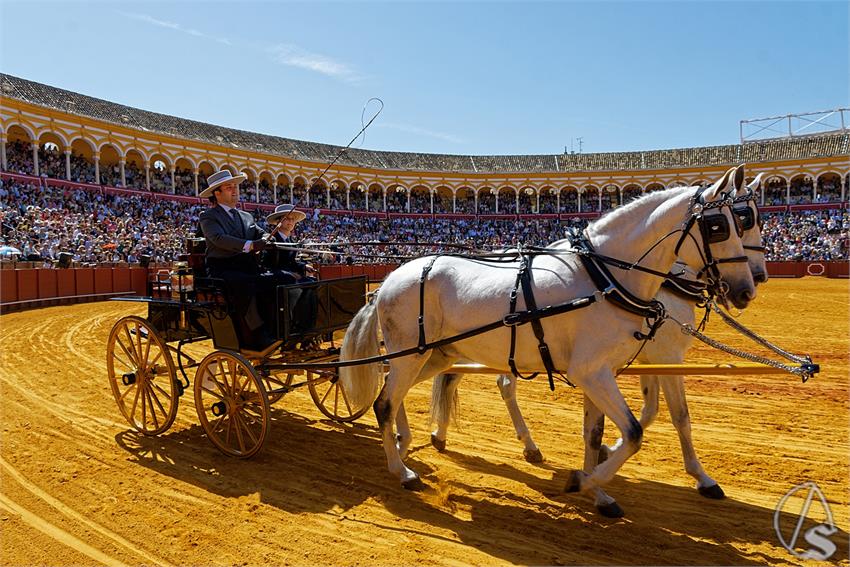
(98, 226)
(807, 235)
(801, 189)
(94, 227)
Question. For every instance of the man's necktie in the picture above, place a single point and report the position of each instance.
(235, 215)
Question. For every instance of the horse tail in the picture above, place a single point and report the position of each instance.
(361, 381)
(444, 400)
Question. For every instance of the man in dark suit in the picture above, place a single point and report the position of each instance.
(233, 240)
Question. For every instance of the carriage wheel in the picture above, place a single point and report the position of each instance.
(330, 397)
(276, 380)
(232, 404)
(142, 375)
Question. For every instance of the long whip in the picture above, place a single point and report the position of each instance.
(336, 158)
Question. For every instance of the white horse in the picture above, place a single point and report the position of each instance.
(669, 347)
(588, 345)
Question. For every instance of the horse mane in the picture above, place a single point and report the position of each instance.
(649, 201)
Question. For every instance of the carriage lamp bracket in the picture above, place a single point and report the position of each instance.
(128, 378)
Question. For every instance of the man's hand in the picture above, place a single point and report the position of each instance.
(258, 245)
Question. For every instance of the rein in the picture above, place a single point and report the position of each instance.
(607, 287)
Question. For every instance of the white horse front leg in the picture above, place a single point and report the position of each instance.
(601, 388)
(674, 393)
(649, 391)
(594, 427)
(507, 387)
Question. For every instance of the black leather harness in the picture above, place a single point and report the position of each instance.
(607, 285)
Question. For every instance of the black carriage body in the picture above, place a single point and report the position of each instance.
(303, 311)
(318, 308)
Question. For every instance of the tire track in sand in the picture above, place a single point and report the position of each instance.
(44, 526)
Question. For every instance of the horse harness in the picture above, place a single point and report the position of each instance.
(713, 228)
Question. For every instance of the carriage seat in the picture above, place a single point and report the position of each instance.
(196, 249)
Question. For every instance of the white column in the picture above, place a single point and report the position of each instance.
(291, 194)
(843, 183)
(516, 198)
(558, 202)
(497, 202)
(454, 202)
(578, 201)
(195, 174)
(121, 165)
(367, 198)
(257, 189)
(147, 177)
(348, 198)
(35, 170)
(173, 181)
(475, 197)
(599, 194)
(96, 169)
(432, 201)
(274, 192)
(68, 164)
(328, 195)
(3, 154)
(385, 199)
(409, 192)
(537, 207)
(787, 192)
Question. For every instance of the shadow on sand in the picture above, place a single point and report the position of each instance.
(315, 469)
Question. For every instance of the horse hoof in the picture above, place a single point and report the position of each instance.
(611, 510)
(574, 482)
(714, 492)
(604, 453)
(534, 456)
(439, 444)
(415, 484)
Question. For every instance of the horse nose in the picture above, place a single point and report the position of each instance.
(760, 277)
(744, 297)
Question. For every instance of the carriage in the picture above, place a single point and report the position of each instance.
(233, 386)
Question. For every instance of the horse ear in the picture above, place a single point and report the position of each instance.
(755, 184)
(738, 178)
(718, 186)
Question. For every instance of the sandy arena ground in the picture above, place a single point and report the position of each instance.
(79, 487)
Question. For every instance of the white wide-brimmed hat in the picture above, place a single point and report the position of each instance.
(220, 178)
(283, 210)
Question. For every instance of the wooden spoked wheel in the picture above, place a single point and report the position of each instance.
(276, 380)
(232, 404)
(142, 375)
(330, 397)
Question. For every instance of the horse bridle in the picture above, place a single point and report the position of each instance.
(714, 228)
(747, 216)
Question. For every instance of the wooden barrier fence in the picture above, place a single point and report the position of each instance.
(39, 287)
(23, 285)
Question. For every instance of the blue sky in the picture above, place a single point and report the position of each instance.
(459, 78)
